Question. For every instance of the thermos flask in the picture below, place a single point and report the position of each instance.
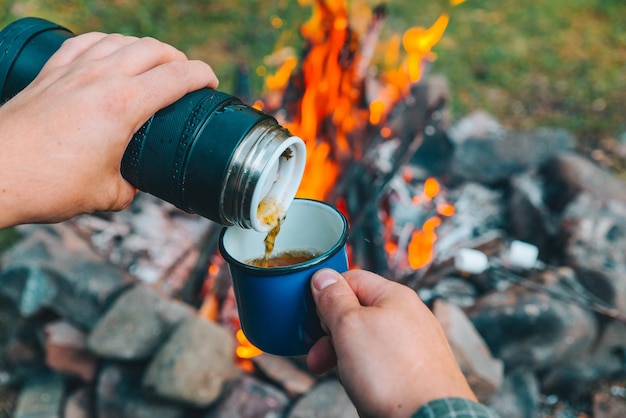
(208, 153)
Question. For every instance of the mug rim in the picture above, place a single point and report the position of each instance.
(276, 271)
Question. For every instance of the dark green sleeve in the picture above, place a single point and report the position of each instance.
(454, 408)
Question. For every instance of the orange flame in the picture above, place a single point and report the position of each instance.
(329, 96)
(332, 94)
(246, 350)
(418, 42)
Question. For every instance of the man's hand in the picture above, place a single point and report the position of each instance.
(63, 137)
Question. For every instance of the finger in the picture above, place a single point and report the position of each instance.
(144, 54)
(163, 85)
(321, 357)
(72, 48)
(374, 290)
(333, 297)
(107, 47)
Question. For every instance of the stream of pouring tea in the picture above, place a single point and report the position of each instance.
(269, 213)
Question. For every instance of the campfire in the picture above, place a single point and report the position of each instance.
(513, 239)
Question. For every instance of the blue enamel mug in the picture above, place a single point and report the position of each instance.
(275, 304)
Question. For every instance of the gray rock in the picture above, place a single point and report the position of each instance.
(41, 397)
(193, 365)
(285, 373)
(574, 380)
(79, 404)
(570, 381)
(493, 160)
(531, 329)
(326, 399)
(50, 270)
(609, 402)
(119, 395)
(248, 397)
(476, 125)
(594, 233)
(568, 174)
(136, 324)
(528, 217)
(483, 372)
(518, 397)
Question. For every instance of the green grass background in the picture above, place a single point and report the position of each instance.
(530, 63)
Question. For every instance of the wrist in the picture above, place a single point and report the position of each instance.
(8, 214)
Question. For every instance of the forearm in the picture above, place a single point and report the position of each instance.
(9, 200)
(22, 180)
(7, 216)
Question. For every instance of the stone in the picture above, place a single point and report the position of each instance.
(610, 402)
(41, 397)
(476, 125)
(593, 236)
(529, 328)
(569, 174)
(42, 272)
(326, 399)
(79, 404)
(607, 356)
(483, 372)
(528, 217)
(10, 323)
(248, 397)
(66, 351)
(519, 396)
(493, 160)
(593, 233)
(136, 324)
(457, 291)
(573, 381)
(119, 395)
(193, 365)
(283, 372)
(570, 381)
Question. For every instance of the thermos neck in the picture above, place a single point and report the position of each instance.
(263, 177)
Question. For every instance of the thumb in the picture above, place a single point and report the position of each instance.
(333, 297)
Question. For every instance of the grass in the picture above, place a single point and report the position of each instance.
(545, 62)
(537, 63)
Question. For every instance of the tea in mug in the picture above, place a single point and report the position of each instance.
(287, 258)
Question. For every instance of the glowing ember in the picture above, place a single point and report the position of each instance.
(421, 247)
(431, 187)
(246, 350)
(445, 209)
(210, 308)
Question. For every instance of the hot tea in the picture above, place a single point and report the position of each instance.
(270, 213)
(288, 258)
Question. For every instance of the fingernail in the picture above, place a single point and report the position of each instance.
(324, 278)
